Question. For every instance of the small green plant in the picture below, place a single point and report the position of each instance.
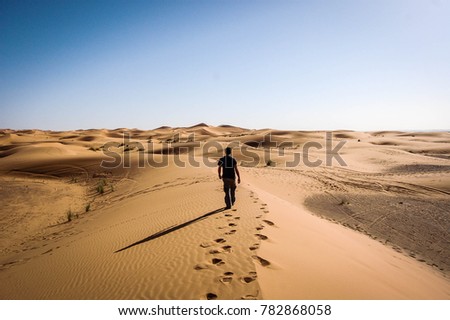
(271, 163)
(101, 186)
(70, 215)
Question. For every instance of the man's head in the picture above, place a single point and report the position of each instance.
(227, 151)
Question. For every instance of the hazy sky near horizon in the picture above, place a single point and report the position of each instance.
(306, 65)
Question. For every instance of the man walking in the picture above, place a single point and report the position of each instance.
(227, 172)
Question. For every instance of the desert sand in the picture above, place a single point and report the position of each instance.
(154, 226)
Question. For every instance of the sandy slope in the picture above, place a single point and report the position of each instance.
(179, 265)
(161, 233)
(309, 258)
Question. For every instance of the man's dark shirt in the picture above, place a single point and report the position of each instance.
(228, 164)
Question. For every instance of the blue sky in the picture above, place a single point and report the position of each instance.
(306, 65)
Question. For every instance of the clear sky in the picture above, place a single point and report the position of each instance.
(306, 65)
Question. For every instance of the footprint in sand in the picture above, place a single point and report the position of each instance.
(206, 244)
(270, 223)
(226, 249)
(261, 261)
(227, 277)
(232, 224)
(250, 278)
(260, 227)
(258, 217)
(220, 240)
(228, 215)
(225, 280)
(237, 218)
(261, 236)
(254, 247)
(249, 297)
(217, 261)
(247, 279)
(230, 232)
(201, 266)
(234, 210)
(266, 211)
(211, 296)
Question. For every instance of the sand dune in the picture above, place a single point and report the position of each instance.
(154, 226)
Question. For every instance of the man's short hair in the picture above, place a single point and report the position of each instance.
(227, 150)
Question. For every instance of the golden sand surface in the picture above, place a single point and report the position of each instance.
(89, 214)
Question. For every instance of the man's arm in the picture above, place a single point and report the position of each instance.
(237, 173)
(219, 171)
